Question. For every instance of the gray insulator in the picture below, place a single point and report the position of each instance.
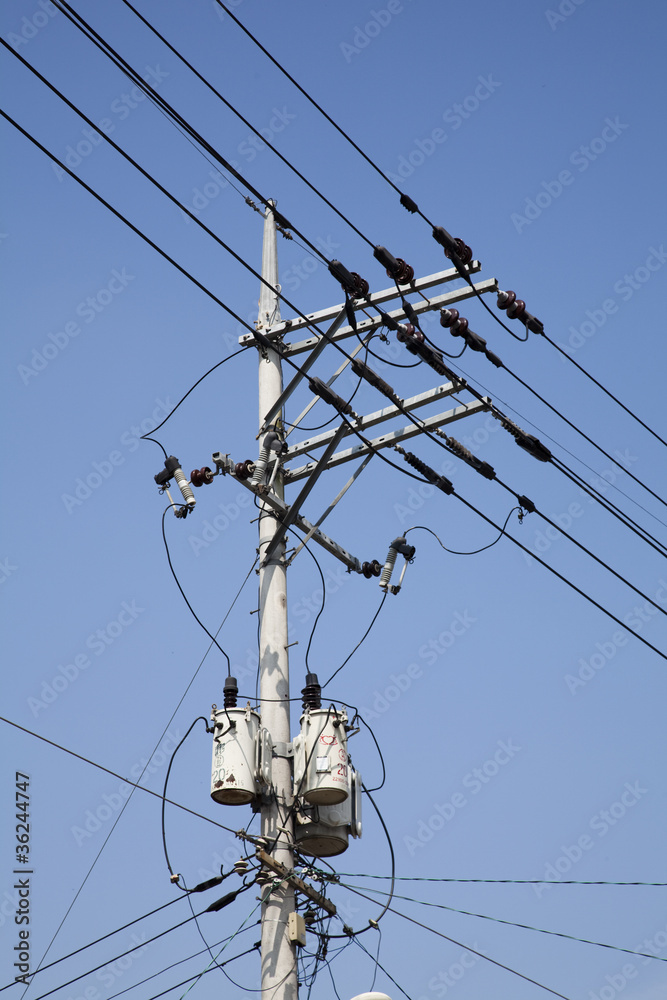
(260, 466)
(184, 487)
(388, 568)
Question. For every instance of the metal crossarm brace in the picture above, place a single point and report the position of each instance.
(296, 506)
(377, 298)
(377, 417)
(420, 306)
(393, 437)
(298, 884)
(308, 363)
(281, 508)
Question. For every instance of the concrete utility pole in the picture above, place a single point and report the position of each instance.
(279, 969)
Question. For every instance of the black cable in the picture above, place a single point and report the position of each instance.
(127, 800)
(181, 961)
(474, 552)
(496, 881)
(112, 960)
(234, 111)
(584, 435)
(600, 386)
(560, 576)
(173, 573)
(324, 599)
(466, 947)
(377, 965)
(377, 747)
(512, 923)
(90, 944)
(184, 982)
(164, 798)
(609, 506)
(455, 449)
(114, 774)
(373, 620)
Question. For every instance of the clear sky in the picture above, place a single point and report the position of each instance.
(522, 729)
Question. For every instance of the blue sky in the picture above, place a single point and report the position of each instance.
(522, 729)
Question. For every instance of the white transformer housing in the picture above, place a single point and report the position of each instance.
(323, 831)
(235, 745)
(321, 767)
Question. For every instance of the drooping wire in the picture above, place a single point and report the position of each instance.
(324, 600)
(349, 657)
(454, 552)
(194, 614)
(164, 798)
(378, 966)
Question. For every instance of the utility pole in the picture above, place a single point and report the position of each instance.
(279, 969)
(253, 764)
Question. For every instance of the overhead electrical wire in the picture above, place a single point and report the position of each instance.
(183, 595)
(413, 208)
(114, 774)
(466, 947)
(497, 881)
(254, 272)
(127, 800)
(349, 657)
(513, 923)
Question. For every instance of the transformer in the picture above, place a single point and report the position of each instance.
(323, 831)
(235, 750)
(321, 767)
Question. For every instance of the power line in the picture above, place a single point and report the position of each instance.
(113, 774)
(466, 947)
(513, 923)
(495, 881)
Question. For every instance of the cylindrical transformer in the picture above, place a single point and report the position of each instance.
(323, 831)
(321, 767)
(233, 780)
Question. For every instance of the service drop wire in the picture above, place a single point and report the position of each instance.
(173, 573)
(454, 552)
